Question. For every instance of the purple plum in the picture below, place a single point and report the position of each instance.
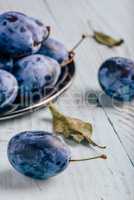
(20, 35)
(116, 77)
(8, 89)
(54, 49)
(38, 154)
(36, 72)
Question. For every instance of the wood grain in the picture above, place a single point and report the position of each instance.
(96, 180)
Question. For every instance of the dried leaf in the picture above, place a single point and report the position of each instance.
(107, 40)
(70, 127)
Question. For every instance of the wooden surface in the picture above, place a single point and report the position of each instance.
(113, 125)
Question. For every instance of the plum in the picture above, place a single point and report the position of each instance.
(20, 35)
(8, 89)
(54, 49)
(116, 77)
(6, 63)
(38, 154)
(35, 73)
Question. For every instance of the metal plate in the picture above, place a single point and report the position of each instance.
(65, 80)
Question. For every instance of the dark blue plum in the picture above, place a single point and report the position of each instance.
(55, 50)
(38, 154)
(8, 89)
(116, 77)
(35, 73)
(6, 63)
(20, 35)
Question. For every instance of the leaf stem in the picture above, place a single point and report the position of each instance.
(53, 110)
(103, 156)
(96, 145)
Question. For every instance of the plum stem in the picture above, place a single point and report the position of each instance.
(103, 156)
(71, 56)
(72, 51)
(84, 36)
(49, 30)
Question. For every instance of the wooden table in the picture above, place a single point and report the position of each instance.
(112, 179)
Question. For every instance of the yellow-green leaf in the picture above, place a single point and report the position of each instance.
(107, 40)
(73, 128)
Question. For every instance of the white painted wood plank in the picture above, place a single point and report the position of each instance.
(95, 180)
(122, 121)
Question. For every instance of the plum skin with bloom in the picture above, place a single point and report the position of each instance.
(116, 77)
(20, 35)
(38, 154)
(6, 63)
(8, 89)
(54, 49)
(36, 72)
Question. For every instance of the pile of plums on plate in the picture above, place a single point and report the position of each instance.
(30, 62)
(29, 59)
